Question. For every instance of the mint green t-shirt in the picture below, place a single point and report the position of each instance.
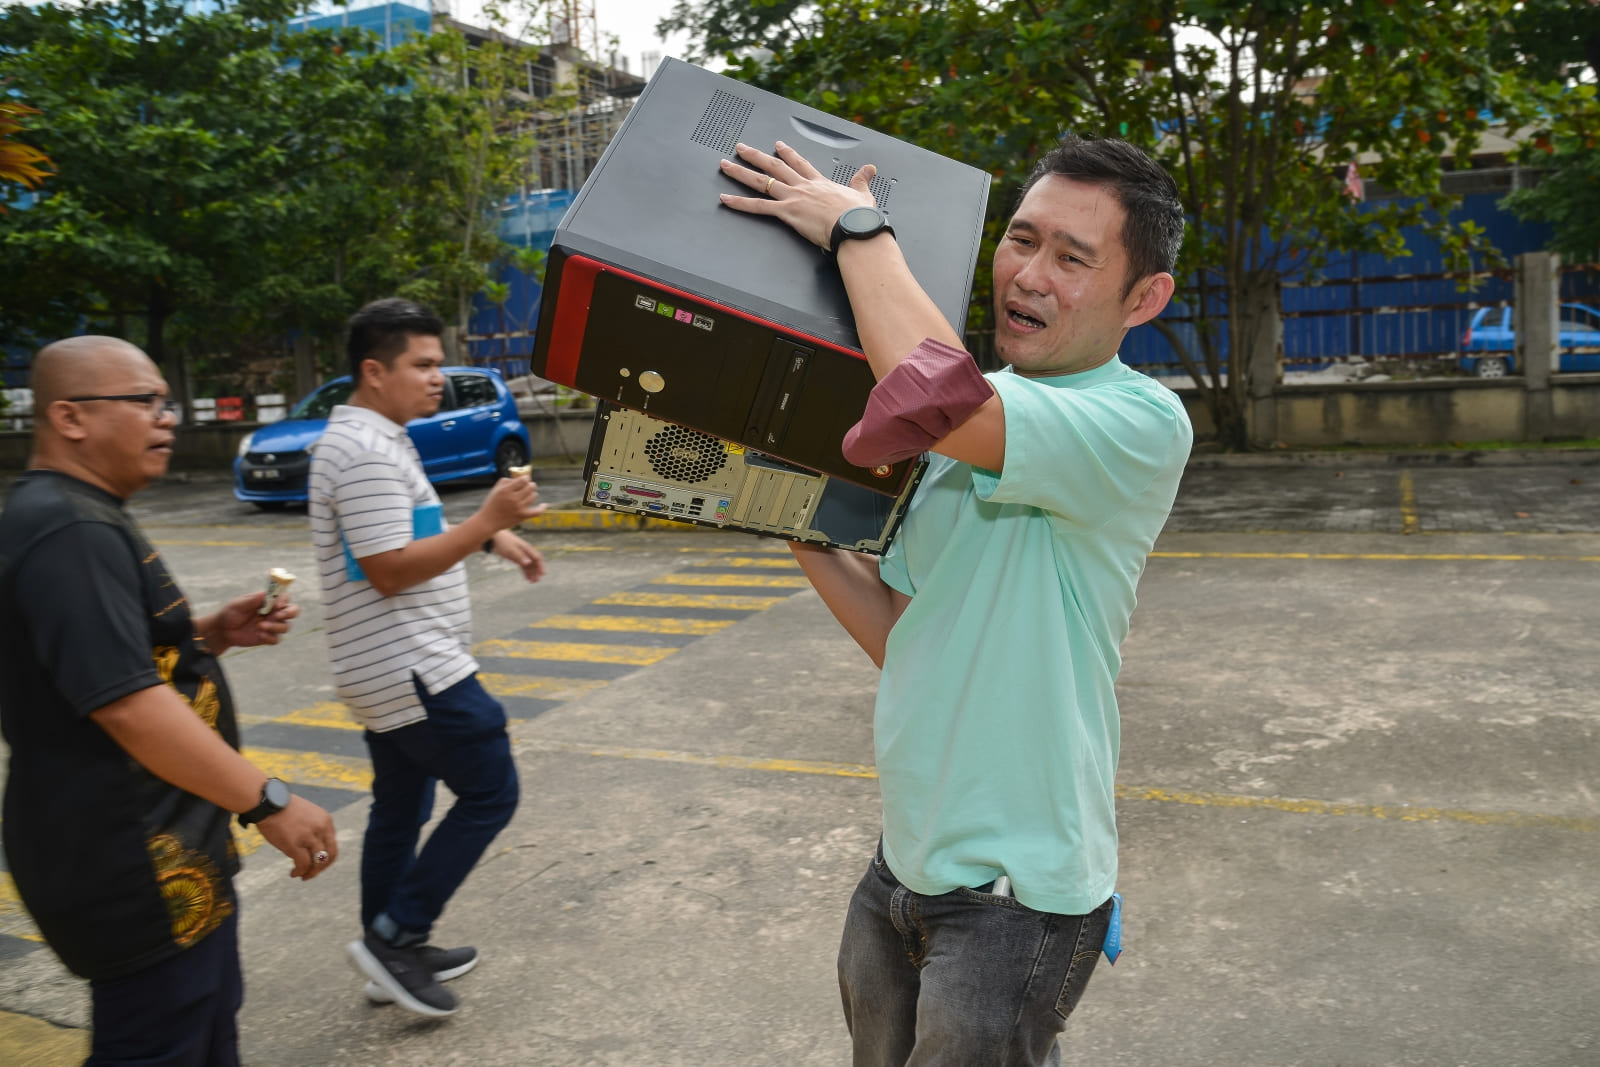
(996, 724)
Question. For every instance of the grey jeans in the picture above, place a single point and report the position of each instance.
(964, 979)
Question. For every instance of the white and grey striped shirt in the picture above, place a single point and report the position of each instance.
(368, 494)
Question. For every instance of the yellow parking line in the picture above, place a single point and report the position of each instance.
(527, 685)
(313, 768)
(777, 563)
(1293, 805)
(328, 715)
(635, 655)
(691, 600)
(1408, 504)
(764, 581)
(14, 918)
(746, 763)
(634, 623)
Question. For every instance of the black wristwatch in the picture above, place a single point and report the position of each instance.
(858, 224)
(274, 798)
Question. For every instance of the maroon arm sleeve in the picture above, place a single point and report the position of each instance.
(935, 388)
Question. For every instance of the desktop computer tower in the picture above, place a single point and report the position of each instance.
(659, 299)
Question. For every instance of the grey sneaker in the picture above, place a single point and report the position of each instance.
(445, 963)
(402, 974)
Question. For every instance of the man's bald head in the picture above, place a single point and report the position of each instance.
(77, 366)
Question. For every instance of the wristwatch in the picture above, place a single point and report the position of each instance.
(858, 224)
(274, 798)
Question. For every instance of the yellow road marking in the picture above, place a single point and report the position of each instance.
(1293, 805)
(634, 623)
(1397, 812)
(1435, 557)
(1408, 504)
(313, 768)
(328, 715)
(777, 563)
(764, 581)
(523, 685)
(691, 600)
(635, 655)
(14, 918)
(746, 763)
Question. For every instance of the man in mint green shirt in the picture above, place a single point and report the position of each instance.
(998, 614)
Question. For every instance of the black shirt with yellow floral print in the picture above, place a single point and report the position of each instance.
(119, 868)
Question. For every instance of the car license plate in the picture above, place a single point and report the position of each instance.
(268, 474)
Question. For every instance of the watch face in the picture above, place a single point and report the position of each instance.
(276, 793)
(861, 220)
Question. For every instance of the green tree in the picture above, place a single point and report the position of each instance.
(226, 181)
(1256, 107)
(1557, 42)
(186, 140)
(20, 163)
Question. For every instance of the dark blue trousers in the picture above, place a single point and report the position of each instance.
(462, 743)
(179, 1013)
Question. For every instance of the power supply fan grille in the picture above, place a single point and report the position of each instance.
(879, 185)
(682, 455)
(722, 122)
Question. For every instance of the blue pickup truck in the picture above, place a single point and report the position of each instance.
(1490, 342)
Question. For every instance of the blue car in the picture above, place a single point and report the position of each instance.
(475, 434)
(1493, 334)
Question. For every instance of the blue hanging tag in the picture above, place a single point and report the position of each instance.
(1113, 943)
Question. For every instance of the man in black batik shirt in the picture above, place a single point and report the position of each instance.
(124, 766)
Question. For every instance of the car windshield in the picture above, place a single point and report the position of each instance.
(320, 404)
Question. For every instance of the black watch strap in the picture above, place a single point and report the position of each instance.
(274, 798)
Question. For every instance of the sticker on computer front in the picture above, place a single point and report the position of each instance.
(733, 449)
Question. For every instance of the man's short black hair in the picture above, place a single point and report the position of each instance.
(383, 328)
(1153, 230)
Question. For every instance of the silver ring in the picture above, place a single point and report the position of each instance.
(768, 190)
(319, 856)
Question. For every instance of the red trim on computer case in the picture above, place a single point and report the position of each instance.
(578, 274)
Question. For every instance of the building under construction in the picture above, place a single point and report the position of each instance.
(582, 90)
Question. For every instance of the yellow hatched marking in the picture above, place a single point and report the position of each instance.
(634, 623)
(14, 918)
(691, 600)
(764, 581)
(776, 563)
(634, 655)
(24, 1039)
(527, 685)
(328, 715)
(1425, 556)
(313, 768)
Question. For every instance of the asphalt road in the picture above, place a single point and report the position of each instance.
(1360, 810)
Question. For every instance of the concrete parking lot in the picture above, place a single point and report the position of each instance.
(1360, 810)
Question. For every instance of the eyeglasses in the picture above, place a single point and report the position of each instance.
(156, 405)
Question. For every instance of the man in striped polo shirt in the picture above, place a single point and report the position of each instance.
(399, 630)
